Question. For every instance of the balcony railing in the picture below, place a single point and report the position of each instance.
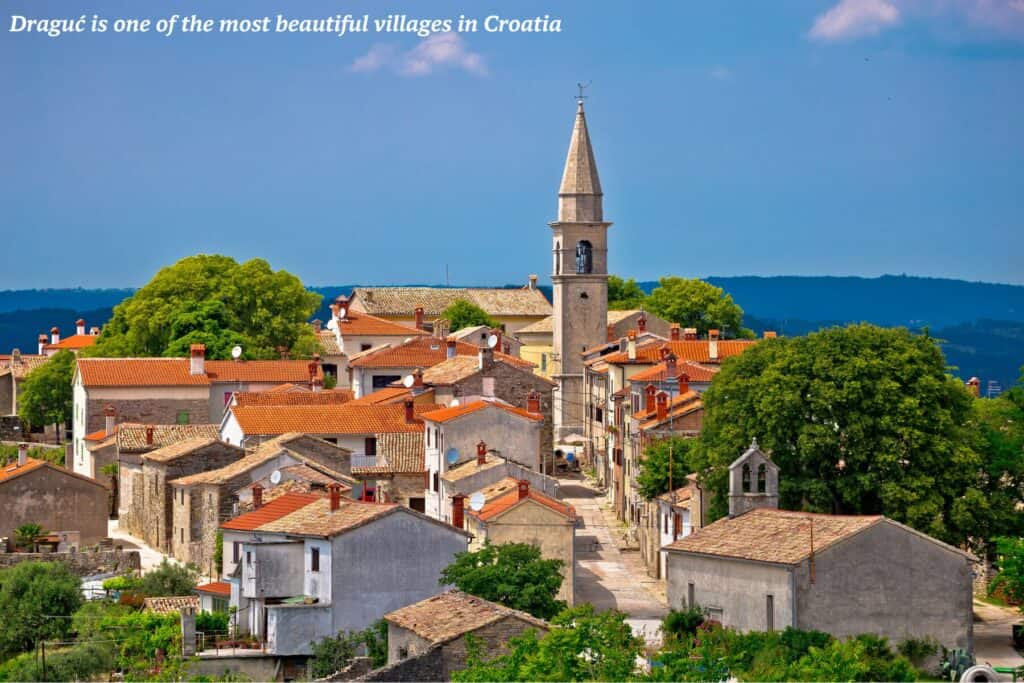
(363, 460)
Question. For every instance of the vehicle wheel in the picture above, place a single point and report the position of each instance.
(979, 672)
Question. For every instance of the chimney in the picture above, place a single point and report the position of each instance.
(641, 323)
(257, 496)
(458, 510)
(533, 281)
(22, 454)
(419, 317)
(673, 331)
(42, 343)
(334, 488)
(80, 327)
(481, 453)
(713, 345)
(94, 331)
(316, 383)
(314, 370)
(631, 345)
(662, 407)
(486, 358)
(974, 386)
(649, 392)
(54, 335)
(318, 326)
(441, 327)
(451, 351)
(334, 311)
(684, 383)
(524, 488)
(198, 365)
(417, 380)
(109, 418)
(282, 352)
(149, 435)
(713, 335)
(690, 334)
(409, 413)
(770, 334)
(15, 356)
(670, 366)
(497, 333)
(533, 402)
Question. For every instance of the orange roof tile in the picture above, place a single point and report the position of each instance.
(659, 373)
(220, 588)
(12, 470)
(98, 435)
(359, 324)
(275, 509)
(135, 372)
(273, 397)
(447, 414)
(346, 418)
(697, 350)
(510, 499)
(677, 401)
(424, 352)
(75, 341)
(259, 370)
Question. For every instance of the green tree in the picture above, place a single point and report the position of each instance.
(461, 313)
(582, 645)
(51, 454)
(45, 396)
(1010, 579)
(80, 662)
(695, 303)
(513, 574)
(334, 653)
(860, 420)
(35, 600)
(216, 301)
(26, 534)
(168, 580)
(653, 479)
(624, 294)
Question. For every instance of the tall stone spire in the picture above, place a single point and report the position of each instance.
(579, 197)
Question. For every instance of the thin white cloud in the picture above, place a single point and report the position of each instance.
(435, 52)
(720, 72)
(855, 19)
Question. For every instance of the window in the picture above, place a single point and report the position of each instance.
(248, 557)
(314, 559)
(598, 415)
(543, 362)
(584, 257)
(418, 504)
(227, 397)
(558, 258)
(236, 549)
(403, 652)
(664, 518)
(690, 597)
(381, 381)
(437, 480)
(761, 477)
(370, 445)
(182, 534)
(746, 478)
(770, 607)
(183, 417)
(365, 347)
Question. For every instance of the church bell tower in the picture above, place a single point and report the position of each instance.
(579, 277)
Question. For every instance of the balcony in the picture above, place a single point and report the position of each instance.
(363, 460)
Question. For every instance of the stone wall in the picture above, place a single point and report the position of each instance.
(56, 500)
(154, 411)
(7, 406)
(81, 563)
(428, 666)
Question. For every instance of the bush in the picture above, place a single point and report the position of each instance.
(917, 650)
(35, 599)
(168, 580)
(80, 662)
(212, 622)
(682, 622)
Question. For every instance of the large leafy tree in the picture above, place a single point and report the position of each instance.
(653, 479)
(216, 301)
(695, 303)
(45, 397)
(624, 294)
(513, 574)
(860, 420)
(461, 313)
(37, 600)
(168, 580)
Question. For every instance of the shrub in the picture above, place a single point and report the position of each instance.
(682, 622)
(168, 580)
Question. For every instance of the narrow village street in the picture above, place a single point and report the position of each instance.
(993, 643)
(605, 576)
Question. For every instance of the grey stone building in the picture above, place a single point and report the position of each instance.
(763, 568)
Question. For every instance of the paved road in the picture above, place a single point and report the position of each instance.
(149, 557)
(604, 576)
(992, 639)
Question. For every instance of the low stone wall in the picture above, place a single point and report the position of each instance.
(81, 563)
(428, 666)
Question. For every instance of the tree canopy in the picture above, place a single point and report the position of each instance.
(653, 479)
(216, 301)
(36, 599)
(167, 580)
(695, 303)
(860, 420)
(461, 313)
(45, 397)
(513, 574)
(624, 294)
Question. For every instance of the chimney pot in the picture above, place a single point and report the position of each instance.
(335, 493)
(419, 317)
(524, 488)
(662, 405)
(54, 335)
(80, 326)
(458, 510)
(533, 402)
(409, 413)
(641, 323)
(22, 454)
(481, 453)
(42, 343)
(198, 359)
(149, 435)
(109, 418)
(670, 365)
(631, 345)
(673, 331)
(533, 281)
(684, 383)
(257, 496)
(451, 350)
(649, 391)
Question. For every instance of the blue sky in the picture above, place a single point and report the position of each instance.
(818, 137)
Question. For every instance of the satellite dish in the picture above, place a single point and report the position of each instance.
(408, 381)
(454, 403)
(332, 324)
(492, 341)
(476, 502)
(452, 456)
(236, 352)
(275, 477)
(570, 456)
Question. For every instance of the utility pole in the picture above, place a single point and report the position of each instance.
(42, 644)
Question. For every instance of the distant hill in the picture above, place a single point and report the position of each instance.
(981, 324)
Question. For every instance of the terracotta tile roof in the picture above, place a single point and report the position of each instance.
(288, 387)
(185, 447)
(546, 325)
(329, 343)
(317, 519)
(75, 341)
(677, 411)
(447, 616)
(218, 588)
(769, 535)
(453, 413)
(659, 372)
(137, 372)
(131, 436)
(676, 402)
(509, 499)
(99, 435)
(390, 395)
(697, 350)
(271, 511)
(470, 467)
(403, 301)
(293, 398)
(20, 368)
(404, 452)
(683, 494)
(171, 605)
(12, 470)
(423, 352)
(295, 371)
(346, 418)
(359, 324)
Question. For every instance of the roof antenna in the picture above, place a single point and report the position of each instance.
(580, 97)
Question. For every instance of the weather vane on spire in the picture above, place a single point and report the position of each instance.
(580, 97)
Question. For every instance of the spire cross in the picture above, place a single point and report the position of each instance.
(580, 97)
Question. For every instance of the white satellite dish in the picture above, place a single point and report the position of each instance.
(476, 502)
(408, 381)
(492, 341)
(236, 352)
(332, 325)
(275, 477)
(454, 403)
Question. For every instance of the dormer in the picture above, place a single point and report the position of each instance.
(753, 482)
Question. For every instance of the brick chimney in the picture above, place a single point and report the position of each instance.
(458, 510)
(417, 380)
(42, 343)
(690, 334)
(54, 335)
(109, 418)
(649, 391)
(80, 327)
(22, 454)
(673, 331)
(198, 358)
(524, 488)
(631, 345)
(451, 348)
(670, 366)
(314, 370)
(257, 496)
(410, 415)
(419, 317)
(662, 405)
(334, 489)
(684, 383)
(149, 435)
(641, 323)
(481, 453)
(486, 358)
(441, 327)
(533, 402)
